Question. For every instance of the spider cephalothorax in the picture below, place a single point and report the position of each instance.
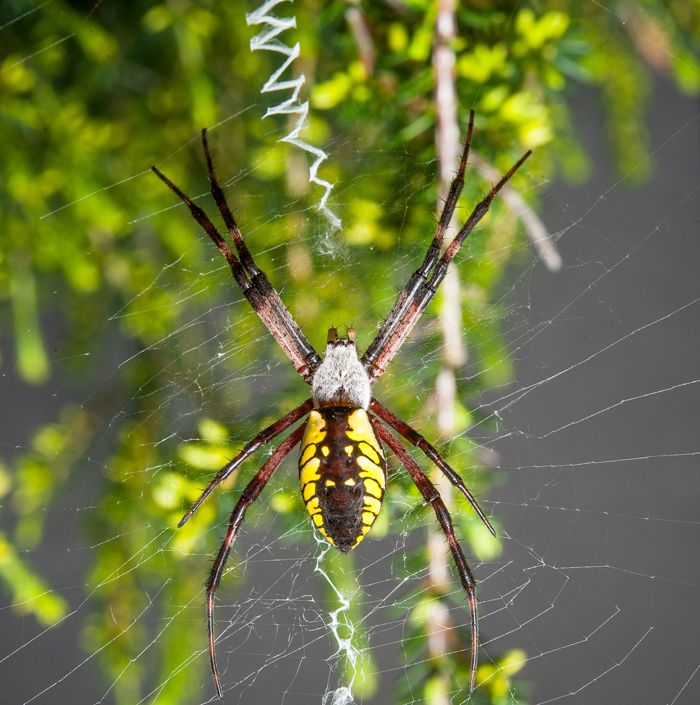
(342, 469)
(341, 379)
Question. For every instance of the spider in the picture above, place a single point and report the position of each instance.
(342, 466)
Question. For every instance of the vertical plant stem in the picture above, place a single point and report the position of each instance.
(447, 144)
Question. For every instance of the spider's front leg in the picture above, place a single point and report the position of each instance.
(256, 287)
(425, 281)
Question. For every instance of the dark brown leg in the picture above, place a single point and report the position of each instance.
(203, 219)
(248, 496)
(256, 287)
(412, 436)
(266, 435)
(420, 276)
(433, 498)
(422, 286)
(477, 214)
(258, 278)
(222, 205)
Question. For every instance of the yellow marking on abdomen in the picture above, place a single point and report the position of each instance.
(370, 470)
(308, 453)
(369, 451)
(349, 449)
(309, 472)
(360, 429)
(372, 487)
(315, 430)
(350, 482)
(371, 504)
(325, 450)
(370, 511)
(309, 491)
(330, 483)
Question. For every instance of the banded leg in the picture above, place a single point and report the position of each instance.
(433, 498)
(414, 299)
(420, 276)
(256, 287)
(412, 436)
(203, 219)
(258, 278)
(266, 435)
(220, 200)
(248, 496)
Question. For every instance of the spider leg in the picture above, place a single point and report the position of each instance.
(266, 435)
(420, 276)
(258, 278)
(477, 214)
(421, 289)
(201, 217)
(221, 203)
(248, 496)
(257, 288)
(412, 436)
(433, 498)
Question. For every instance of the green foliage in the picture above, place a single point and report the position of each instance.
(498, 677)
(90, 101)
(30, 593)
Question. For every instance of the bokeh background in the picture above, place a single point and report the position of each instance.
(131, 367)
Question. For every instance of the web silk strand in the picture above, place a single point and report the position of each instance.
(342, 695)
(268, 40)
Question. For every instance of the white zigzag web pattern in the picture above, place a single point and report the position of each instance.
(267, 40)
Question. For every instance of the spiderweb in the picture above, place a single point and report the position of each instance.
(596, 446)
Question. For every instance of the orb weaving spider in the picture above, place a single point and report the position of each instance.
(342, 467)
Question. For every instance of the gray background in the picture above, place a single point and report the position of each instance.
(607, 494)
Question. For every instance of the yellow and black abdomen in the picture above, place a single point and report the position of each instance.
(342, 472)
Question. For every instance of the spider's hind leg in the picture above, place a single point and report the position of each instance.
(266, 435)
(415, 438)
(432, 497)
(248, 496)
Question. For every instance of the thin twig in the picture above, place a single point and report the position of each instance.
(447, 143)
(363, 38)
(536, 230)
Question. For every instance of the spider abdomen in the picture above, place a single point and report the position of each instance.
(342, 472)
